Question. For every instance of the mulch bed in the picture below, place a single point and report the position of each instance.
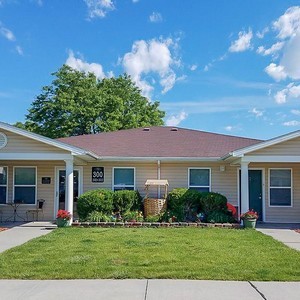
(3, 228)
(297, 230)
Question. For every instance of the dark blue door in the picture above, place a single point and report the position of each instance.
(255, 191)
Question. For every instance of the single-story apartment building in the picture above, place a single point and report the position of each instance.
(263, 175)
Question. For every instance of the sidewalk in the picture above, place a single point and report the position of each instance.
(147, 290)
(283, 233)
(20, 233)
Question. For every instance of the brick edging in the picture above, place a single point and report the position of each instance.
(156, 224)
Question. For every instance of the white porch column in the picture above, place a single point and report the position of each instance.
(69, 186)
(244, 187)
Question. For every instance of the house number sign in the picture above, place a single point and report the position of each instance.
(97, 174)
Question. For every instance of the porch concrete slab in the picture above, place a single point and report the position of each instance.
(73, 289)
(19, 235)
(203, 289)
(279, 290)
(287, 236)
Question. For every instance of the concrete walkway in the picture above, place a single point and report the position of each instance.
(282, 232)
(20, 233)
(147, 290)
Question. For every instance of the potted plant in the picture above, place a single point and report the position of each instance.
(63, 218)
(249, 218)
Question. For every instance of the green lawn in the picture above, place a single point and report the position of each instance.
(186, 253)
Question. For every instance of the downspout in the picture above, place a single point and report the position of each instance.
(158, 177)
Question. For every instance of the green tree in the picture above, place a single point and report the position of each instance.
(77, 103)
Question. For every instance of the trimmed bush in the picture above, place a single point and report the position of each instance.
(184, 204)
(100, 200)
(126, 200)
(219, 217)
(210, 202)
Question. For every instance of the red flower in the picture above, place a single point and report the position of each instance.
(250, 214)
(63, 214)
(231, 208)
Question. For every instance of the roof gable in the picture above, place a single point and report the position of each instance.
(266, 144)
(47, 141)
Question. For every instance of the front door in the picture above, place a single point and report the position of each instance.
(255, 191)
(61, 189)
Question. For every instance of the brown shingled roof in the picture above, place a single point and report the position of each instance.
(160, 141)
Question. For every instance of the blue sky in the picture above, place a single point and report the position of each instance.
(224, 66)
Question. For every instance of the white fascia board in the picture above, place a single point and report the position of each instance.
(162, 159)
(271, 159)
(268, 143)
(35, 156)
(46, 140)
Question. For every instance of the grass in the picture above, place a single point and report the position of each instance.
(181, 253)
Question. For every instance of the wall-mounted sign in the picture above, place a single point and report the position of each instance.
(97, 174)
(46, 180)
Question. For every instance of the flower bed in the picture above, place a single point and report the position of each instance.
(155, 224)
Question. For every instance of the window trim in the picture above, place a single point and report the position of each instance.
(199, 186)
(113, 178)
(18, 185)
(6, 200)
(270, 187)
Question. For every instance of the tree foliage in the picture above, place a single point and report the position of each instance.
(78, 103)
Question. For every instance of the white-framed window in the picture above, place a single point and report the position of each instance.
(199, 179)
(3, 185)
(25, 185)
(280, 187)
(123, 178)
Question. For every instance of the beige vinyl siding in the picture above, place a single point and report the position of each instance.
(282, 214)
(143, 171)
(224, 182)
(20, 144)
(44, 191)
(286, 148)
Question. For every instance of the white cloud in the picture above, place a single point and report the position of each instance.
(193, 67)
(289, 23)
(19, 50)
(295, 112)
(155, 17)
(291, 123)
(256, 112)
(292, 91)
(270, 51)
(175, 120)
(276, 72)
(80, 65)
(243, 42)
(261, 34)
(229, 128)
(152, 57)
(99, 8)
(291, 57)
(280, 97)
(8, 34)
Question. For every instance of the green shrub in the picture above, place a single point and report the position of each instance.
(133, 216)
(125, 200)
(184, 204)
(175, 198)
(97, 216)
(219, 217)
(100, 200)
(153, 219)
(210, 202)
